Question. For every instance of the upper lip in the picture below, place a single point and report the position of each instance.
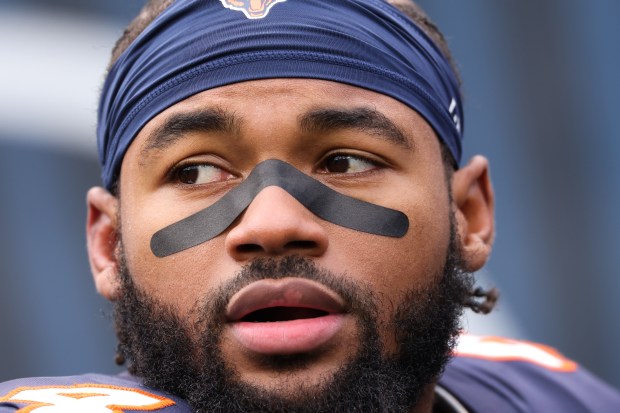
(287, 292)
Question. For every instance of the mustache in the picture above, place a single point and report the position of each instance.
(358, 297)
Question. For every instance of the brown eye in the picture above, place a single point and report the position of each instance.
(188, 175)
(341, 164)
(201, 174)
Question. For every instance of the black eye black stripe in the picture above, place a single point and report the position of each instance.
(323, 201)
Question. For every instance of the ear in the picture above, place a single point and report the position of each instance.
(101, 237)
(474, 201)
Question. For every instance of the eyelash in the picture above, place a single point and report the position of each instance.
(376, 164)
(173, 175)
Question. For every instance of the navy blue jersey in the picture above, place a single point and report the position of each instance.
(493, 374)
(487, 375)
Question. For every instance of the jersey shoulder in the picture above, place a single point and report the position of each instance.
(492, 374)
(86, 393)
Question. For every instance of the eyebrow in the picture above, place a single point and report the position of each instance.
(364, 119)
(179, 124)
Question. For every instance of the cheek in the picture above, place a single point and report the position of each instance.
(179, 280)
(392, 266)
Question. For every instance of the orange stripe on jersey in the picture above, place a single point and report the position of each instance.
(503, 349)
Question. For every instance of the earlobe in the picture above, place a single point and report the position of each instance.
(101, 237)
(474, 202)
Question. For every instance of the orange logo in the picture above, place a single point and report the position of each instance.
(80, 398)
(253, 9)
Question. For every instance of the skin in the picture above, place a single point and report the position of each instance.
(407, 177)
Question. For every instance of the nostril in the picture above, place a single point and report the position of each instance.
(249, 248)
(301, 245)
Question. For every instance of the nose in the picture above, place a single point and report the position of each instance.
(274, 224)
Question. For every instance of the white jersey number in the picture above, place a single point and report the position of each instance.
(91, 398)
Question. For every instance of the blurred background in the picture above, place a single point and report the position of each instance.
(541, 89)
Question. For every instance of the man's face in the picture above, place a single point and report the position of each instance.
(359, 143)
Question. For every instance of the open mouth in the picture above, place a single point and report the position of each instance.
(287, 316)
(275, 314)
(283, 300)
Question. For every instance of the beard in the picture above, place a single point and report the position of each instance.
(186, 359)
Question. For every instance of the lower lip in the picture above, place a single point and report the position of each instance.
(287, 337)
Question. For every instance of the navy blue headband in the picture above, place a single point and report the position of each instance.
(196, 45)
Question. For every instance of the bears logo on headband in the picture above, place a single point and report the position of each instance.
(253, 9)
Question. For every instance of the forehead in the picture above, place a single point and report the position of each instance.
(287, 101)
